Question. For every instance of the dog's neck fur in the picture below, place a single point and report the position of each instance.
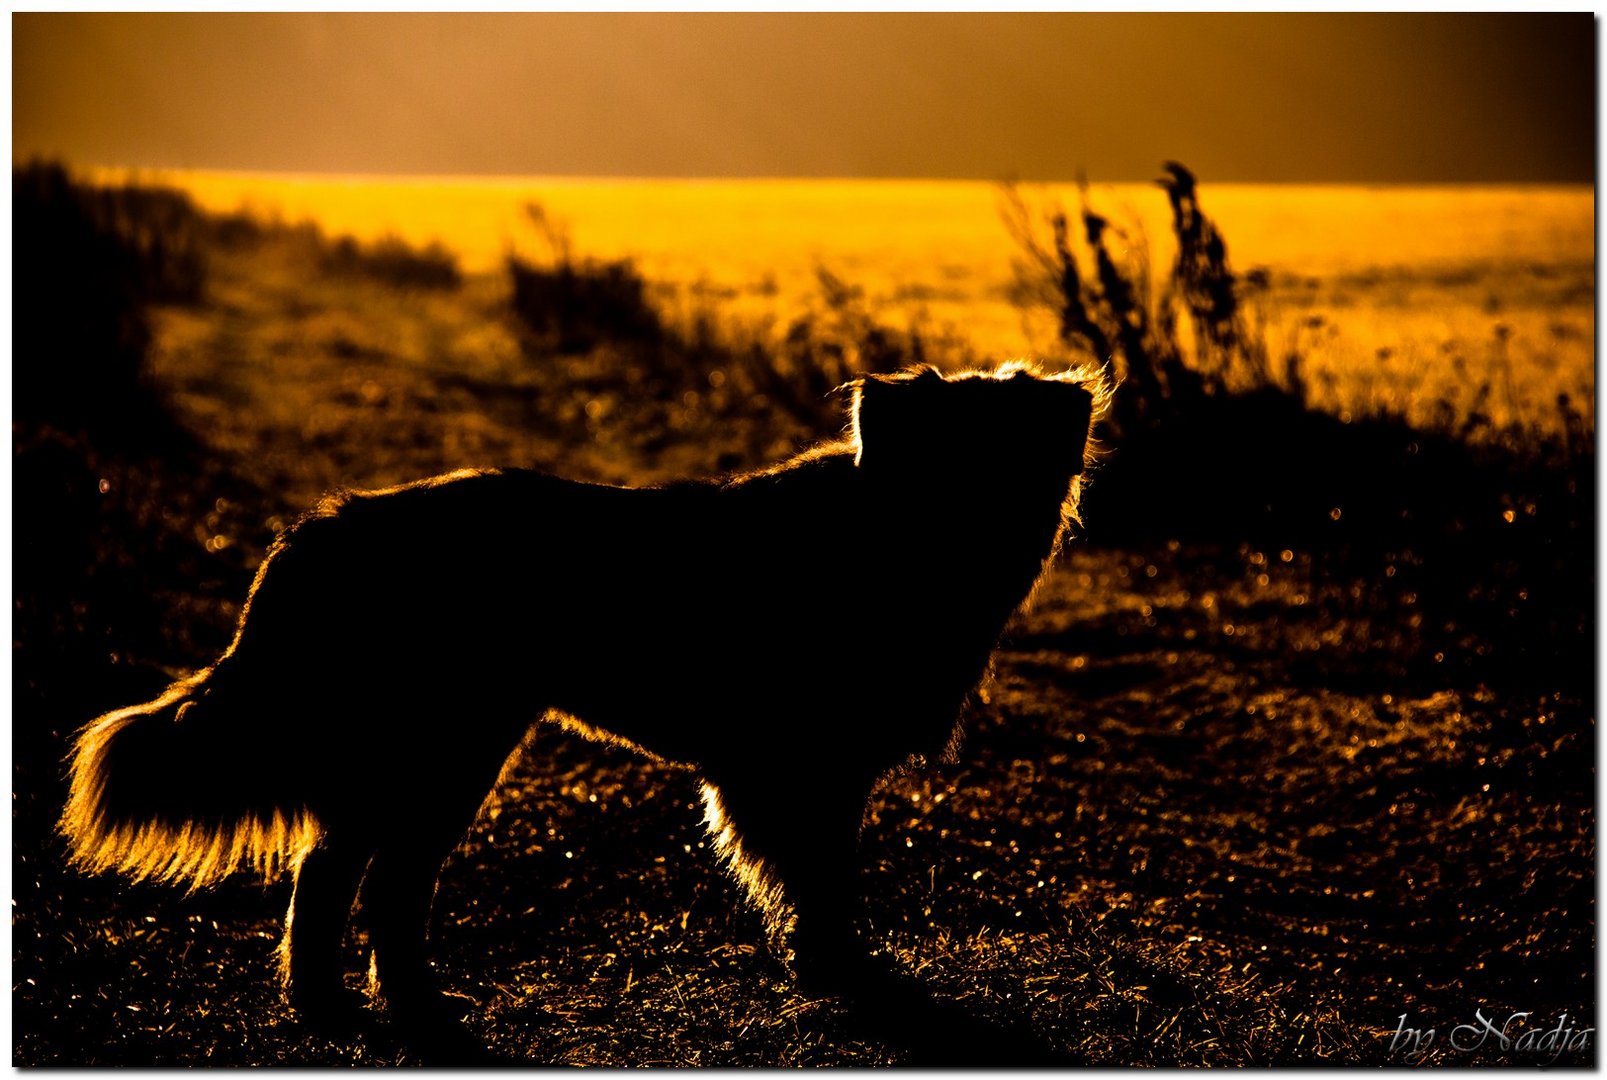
(1005, 537)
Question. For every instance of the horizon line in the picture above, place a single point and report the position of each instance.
(359, 176)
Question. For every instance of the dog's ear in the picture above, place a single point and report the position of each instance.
(897, 414)
(876, 412)
(857, 410)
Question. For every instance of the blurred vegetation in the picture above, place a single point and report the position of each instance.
(1298, 739)
(693, 374)
(1202, 335)
(389, 261)
(572, 306)
(393, 262)
(93, 258)
(1218, 442)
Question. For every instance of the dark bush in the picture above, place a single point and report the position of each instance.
(575, 307)
(86, 263)
(392, 261)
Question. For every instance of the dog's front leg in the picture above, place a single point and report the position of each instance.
(794, 841)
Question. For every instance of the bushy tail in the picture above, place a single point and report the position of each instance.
(179, 790)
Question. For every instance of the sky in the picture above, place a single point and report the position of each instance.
(1342, 98)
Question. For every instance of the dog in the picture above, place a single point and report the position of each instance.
(794, 634)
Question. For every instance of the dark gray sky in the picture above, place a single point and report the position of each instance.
(1300, 97)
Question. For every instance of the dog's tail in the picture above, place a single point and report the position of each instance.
(174, 790)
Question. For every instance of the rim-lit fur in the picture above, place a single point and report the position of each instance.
(156, 794)
(140, 804)
(792, 633)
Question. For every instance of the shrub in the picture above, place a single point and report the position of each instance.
(391, 261)
(691, 367)
(87, 261)
(573, 306)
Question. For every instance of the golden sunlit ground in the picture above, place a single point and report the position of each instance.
(1297, 741)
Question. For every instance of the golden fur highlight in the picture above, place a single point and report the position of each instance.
(1098, 382)
(117, 817)
(755, 877)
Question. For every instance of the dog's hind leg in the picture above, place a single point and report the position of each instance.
(327, 879)
(397, 897)
(432, 812)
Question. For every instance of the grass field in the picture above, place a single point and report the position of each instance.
(1392, 294)
(1295, 749)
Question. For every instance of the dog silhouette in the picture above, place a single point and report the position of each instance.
(794, 634)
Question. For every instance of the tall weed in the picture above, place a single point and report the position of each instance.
(1110, 313)
(1213, 444)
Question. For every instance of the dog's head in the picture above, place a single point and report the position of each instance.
(1013, 421)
